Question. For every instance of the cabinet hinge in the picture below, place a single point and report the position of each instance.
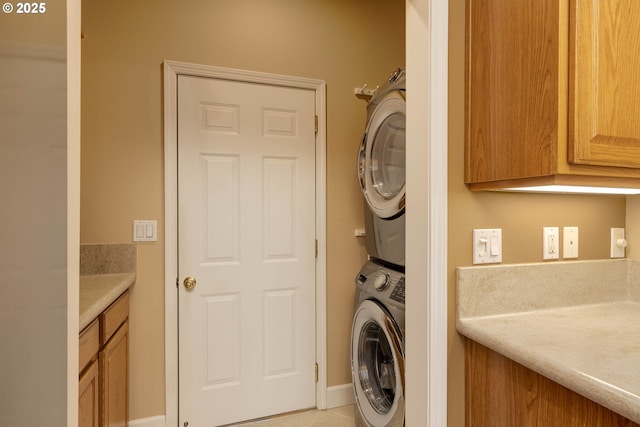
(315, 125)
(316, 372)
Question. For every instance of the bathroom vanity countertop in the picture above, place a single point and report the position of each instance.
(98, 291)
(593, 350)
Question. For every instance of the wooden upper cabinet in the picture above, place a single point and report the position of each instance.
(552, 93)
(604, 128)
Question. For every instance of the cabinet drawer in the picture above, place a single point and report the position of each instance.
(89, 344)
(113, 317)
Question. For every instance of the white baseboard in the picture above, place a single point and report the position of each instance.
(157, 421)
(340, 395)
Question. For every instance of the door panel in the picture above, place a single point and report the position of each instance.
(222, 225)
(605, 83)
(246, 220)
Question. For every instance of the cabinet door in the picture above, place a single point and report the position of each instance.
(114, 377)
(88, 397)
(512, 89)
(604, 107)
(501, 392)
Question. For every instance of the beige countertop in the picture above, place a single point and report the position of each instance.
(576, 323)
(98, 291)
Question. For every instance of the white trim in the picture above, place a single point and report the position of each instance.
(426, 263)
(73, 204)
(171, 71)
(157, 421)
(340, 395)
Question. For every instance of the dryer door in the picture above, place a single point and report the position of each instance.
(377, 366)
(381, 161)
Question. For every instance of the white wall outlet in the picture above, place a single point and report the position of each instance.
(570, 242)
(487, 245)
(145, 231)
(550, 243)
(618, 243)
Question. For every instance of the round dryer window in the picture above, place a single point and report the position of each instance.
(377, 366)
(383, 158)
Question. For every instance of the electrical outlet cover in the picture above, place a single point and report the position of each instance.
(550, 243)
(570, 242)
(618, 243)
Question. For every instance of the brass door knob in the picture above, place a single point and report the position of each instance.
(189, 282)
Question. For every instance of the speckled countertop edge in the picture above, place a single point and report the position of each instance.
(589, 347)
(593, 350)
(97, 292)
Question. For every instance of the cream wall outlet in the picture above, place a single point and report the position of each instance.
(618, 243)
(570, 242)
(550, 243)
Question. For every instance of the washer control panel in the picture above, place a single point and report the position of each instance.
(398, 291)
(382, 281)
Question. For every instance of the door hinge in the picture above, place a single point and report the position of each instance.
(177, 284)
(316, 248)
(316, 372)
(315, 125)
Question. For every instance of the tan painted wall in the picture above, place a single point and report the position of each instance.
(520, 216)
(346, 44)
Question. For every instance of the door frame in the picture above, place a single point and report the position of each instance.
(426, 321)
(171, 71)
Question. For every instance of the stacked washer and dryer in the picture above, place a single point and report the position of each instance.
(377, 336)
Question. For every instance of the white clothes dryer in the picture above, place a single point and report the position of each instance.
(377, 347)
(381, 171)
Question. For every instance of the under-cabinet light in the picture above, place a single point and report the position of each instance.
(574, 189)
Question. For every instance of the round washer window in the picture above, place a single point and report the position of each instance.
(376, 367)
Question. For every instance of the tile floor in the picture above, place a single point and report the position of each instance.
(335, 417)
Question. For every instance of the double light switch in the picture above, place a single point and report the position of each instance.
(487, 245)
(145, 231)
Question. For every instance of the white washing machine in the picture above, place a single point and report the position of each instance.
(377, 347)
(381, 171)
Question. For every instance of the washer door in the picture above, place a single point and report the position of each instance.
(377, 366)
(381, 160)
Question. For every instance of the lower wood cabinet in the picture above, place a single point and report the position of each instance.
(501, 392)
(114, 372)
(104, 368)
(88, 396)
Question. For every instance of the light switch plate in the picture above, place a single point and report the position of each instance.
(487, 245)
(145, 231)
(570, 242)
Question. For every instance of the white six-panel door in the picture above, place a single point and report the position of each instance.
(246, 233)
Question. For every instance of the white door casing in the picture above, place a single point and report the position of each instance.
(426, 245)
(230, 218)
